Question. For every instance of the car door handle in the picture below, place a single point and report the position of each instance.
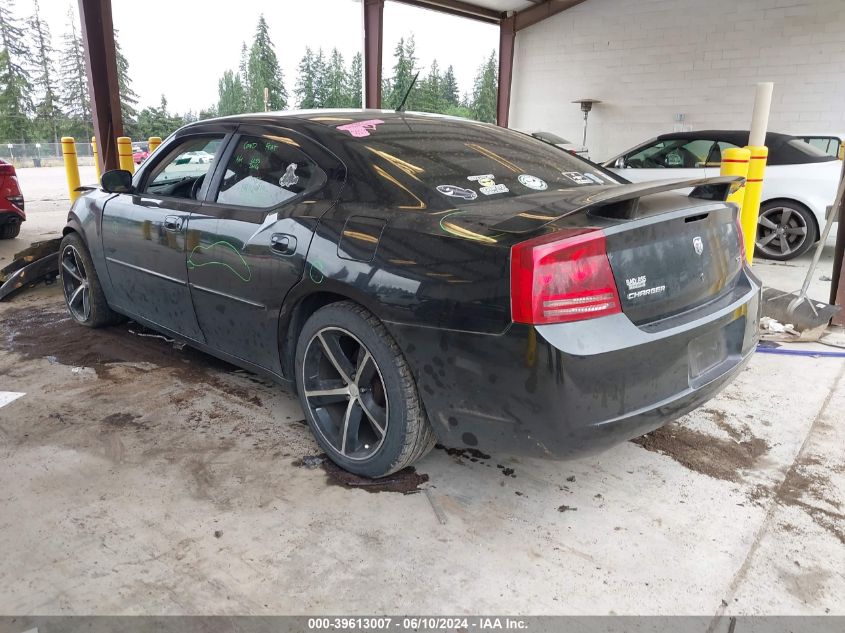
(173, 223)
(283, 244)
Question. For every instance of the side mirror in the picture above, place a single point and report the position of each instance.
(117, 181)
(620, 163)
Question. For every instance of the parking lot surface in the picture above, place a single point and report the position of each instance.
(138, 478)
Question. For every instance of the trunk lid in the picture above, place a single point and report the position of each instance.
(674, 261)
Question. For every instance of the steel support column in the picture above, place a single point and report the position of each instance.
(507, 38)
(101, 65)
(837, 286)
(373, 38)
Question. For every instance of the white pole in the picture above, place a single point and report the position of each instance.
(760, 116)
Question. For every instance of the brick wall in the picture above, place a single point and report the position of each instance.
(650, 60)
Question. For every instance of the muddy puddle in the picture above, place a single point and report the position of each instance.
(48, 332)
(406, 481)
(720, 458)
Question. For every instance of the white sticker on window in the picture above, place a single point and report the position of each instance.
(532, 182)
(491, 189)
(289, 178)
(577, 177)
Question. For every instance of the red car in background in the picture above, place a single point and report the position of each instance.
(11, 202)
(139, 154)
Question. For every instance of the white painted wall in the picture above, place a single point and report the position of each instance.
(649, 60)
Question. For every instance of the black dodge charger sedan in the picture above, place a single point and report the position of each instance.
(417, 278)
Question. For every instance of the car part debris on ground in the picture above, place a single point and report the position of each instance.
(38, 262)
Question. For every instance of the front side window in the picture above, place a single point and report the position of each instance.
(671, 154)
(182, 171)
(265, 171)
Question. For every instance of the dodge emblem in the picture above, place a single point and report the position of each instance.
(698, 244)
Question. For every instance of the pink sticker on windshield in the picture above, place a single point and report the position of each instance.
(360, 129)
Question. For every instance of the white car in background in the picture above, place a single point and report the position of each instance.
(562, 143)
(799, 185)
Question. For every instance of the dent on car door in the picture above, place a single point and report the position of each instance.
(248, 242)
(144, 235)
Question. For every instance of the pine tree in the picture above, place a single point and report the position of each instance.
(243, 67)
(15, 82)
(232, 97)
(449, 87)
(430, 91)
(74, 80)
(47, 110)
(336, 92)
(354, 82)
(128, 97)
(263, 71)
(485, 91)
(321, 88)
(305, 91)
(403, 74)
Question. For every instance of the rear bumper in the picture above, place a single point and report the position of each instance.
(571, 389)
(11, 214)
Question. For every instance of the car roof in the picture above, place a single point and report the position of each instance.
(781, 152)
(736, 137)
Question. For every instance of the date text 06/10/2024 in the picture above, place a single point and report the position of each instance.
(418, 624)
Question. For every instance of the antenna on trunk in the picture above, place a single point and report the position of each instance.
(401, 107)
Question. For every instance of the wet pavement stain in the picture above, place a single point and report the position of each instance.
(406, 481)
(123, 421)
(719, 458)
(48, 332)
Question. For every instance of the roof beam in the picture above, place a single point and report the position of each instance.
(101, 66)
(507, 38)
(458, 8)
(538, 13)
(373, 44)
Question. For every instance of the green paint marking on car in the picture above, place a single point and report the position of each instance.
(199, 249)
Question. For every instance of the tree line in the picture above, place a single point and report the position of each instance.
(42, 99)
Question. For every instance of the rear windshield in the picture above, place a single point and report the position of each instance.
(807, 149)
(472, 162)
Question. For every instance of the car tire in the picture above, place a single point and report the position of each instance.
(10, 231)
(785, 229)
(345, 349)
(81, 287)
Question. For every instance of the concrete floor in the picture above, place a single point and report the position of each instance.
(137, 478)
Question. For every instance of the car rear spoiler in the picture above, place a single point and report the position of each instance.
(621, 201)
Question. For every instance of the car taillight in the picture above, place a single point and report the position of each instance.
(560, 277)
(6, 169)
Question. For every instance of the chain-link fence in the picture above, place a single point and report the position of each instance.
(42, 154)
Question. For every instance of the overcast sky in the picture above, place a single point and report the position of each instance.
(181, 47)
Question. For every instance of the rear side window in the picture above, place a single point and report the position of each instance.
(266, 171)
(465, 161)
(807, 149)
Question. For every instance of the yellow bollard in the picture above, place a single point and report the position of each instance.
(124, 154)
(753, 192)
(154, 142)
(96, 157)
(71, 167)
(841, 153)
